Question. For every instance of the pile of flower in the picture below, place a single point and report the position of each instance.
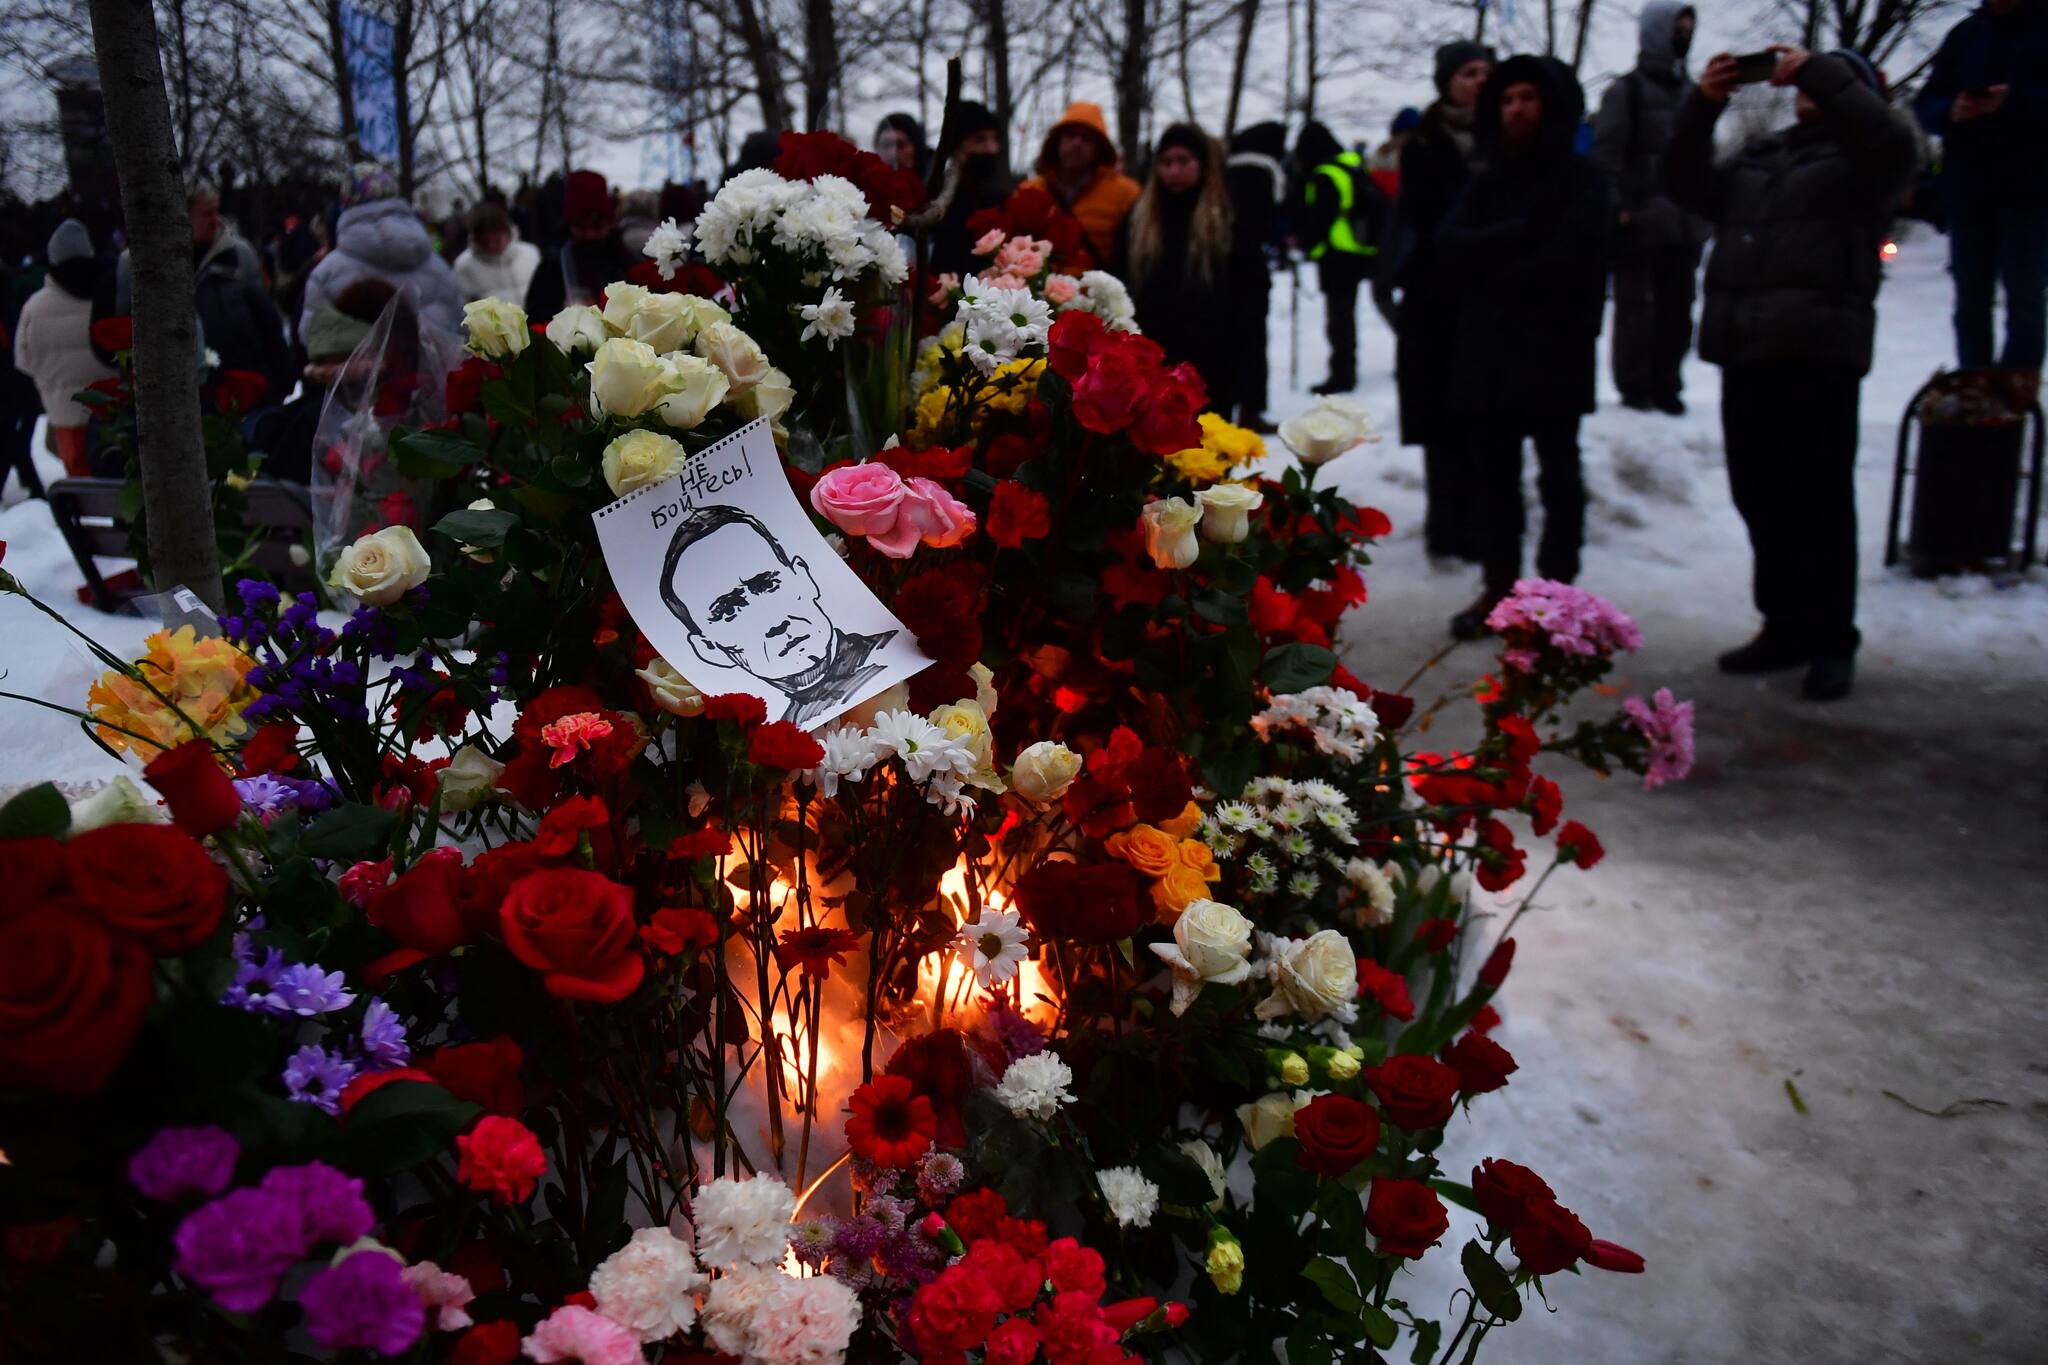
(1103, 990)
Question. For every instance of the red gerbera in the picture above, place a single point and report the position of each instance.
(891, 1125)
(814, 949)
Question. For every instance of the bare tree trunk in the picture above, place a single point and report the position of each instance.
(1479, 23)
(1584, 26)
(402, 34)
(1187, 74)
(1247, 21)
(1308, 94)
(1132, 92)
(344, 88)
(176, 495)
(1288, 103)
(1550, 28)
(821, 62)
(997, 13)
(761, 57)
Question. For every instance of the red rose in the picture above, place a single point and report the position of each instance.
(1016, 1341)
(938, 1067)
(1577, 844)
(423, 908)
(1074, 1269)
(72, 996)
(1073, 338)
(1100, 804)
(489, 879)
(1160, 790)
(114, 334)
(1481, 1063)
(502, 1158)
(786, 745)
(1095, 903)
(238, 391)
(1388, 989)
(1435, 935)
(485, 1073)
(744, 707)
(1110, 394)
(34, 867)
(1494, 970)
(1167, 423)
(974, 1215)
(466, 383)
(1272, 611)
(1549, 1237)
(1336, 1132)
(1503, 1189)
(1017, 514)
(1405, 1216)
(151, 881)
(955, 1312)
(198, 790)
(576, 928)
(1416, 1092)
(1611, 1256)
(488, 1343)
(272, 749)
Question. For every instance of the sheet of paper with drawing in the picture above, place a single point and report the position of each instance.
(725, 575)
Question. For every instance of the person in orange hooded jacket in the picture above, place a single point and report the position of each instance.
(1078, 167)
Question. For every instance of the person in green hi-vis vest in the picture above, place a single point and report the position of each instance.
(1339, 213)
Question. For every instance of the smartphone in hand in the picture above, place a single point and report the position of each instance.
(1753, 68)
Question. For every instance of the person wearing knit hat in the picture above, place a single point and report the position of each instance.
(979, 152)
(1453, 58)
(1790, 316)
(53, 343)
(595, 255)
(380, 237)
(1077, 165)
(1174, 254)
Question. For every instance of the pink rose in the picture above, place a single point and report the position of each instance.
(1060, 289)
(990, 240)
(861, 500)
(941, 518)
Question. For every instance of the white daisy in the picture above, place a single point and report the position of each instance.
(996, 943)
(831, 317)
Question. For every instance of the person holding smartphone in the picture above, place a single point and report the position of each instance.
(1987, 99)
(1790, 315)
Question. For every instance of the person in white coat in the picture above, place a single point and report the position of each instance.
(495, 264)
(53, 343)
(380, 237)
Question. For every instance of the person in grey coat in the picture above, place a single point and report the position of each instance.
(1790, 315)
(1657, 243)
(380, 237)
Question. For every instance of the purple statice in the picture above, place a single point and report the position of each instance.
(315, 1076)
(501, 670)
(938, 1177)
(1571, 619)
(383, 1037)
(177, 1163)
(858, 1239)
(1018, 1036)
(323, 1204)
(811, 1240)
(362, 1303)
(237, 1247)
(255, 983)
(1666, 723)
(307, 989)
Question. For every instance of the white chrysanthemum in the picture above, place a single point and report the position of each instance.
(1303, 884)
(1264, 876)
(831, 317)
(1132, 1199)
(1320, 793)
(995, 944)
(805, 1321)
(924, 748)
(743, 1220)
(849, 753)
(733, 1310)
(1376, 889)
(1104, 295)
(667, 245)
(649, 1285)
(1035, 1087)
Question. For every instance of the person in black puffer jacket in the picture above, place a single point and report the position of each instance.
(1174, 252)
(1790, 315)
(1257, 183)
(1528, 237)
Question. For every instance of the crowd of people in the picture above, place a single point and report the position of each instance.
(1491, 228)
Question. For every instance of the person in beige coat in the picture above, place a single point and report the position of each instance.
(53, 343)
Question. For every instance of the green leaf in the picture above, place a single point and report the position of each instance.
(1308, 1344)
(403, 1124)
(1461, 1195)
(41, 810)
(1291, 668)
(606, 1219)
(1336, 1283)
(1180, 1180)
(433, 454)
(1428, 1335)
(481, 529)
(1379, 1328)
(1219, 607)
(1496, 1292)
(348, 831)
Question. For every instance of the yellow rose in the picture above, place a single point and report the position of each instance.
(382, 567)
(636, 459)
(1270, 1116)
(671, 691)
(965, 719)
(1197, 855)
(700, 386)
(1225, 1261)
(1044, 771)
(1152, 851)
(628, 377)
(497, 329)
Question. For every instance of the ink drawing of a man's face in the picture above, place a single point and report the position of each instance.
(750, 609)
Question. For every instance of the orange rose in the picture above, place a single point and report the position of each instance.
(1182, 825)
(1194, 853)
(1152, 851)
(1181, 887)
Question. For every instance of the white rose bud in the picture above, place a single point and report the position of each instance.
(470, 779)
(636, 459)
(671, 691)
(1044, 771)
(1226, 511)
(768, 399)
(1313, 977)
(1270, 1116)
(700, 386)
(736, 354)
(497, 329)
(577, 328)
(1211, 942)
(621, 302)
(1326, 431)
(382, 567)
(628, 377)
(1203, 1155)
(120, 802)
(664, 321)
(1170, 532)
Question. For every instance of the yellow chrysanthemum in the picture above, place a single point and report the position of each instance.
(1199, 464)
(1239, 445)
(207, 680)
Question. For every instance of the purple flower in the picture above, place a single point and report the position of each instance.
(384, 1036)
(1018, 1035)
(858, 1239)
(178, 1162)
(321, 1203)
(307, 989)
(315, 1076)
(939, 1177)
(237, 1246)
(264, 796)
(1666, 723)
(255, 983)
(892, 1213)
(812, 1239)
(361, 1303)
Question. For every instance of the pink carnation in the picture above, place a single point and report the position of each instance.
(1571, 620)
(447, 1293)
(572, 735)
(574, 1333)
(1666, 723)
(988, 242)
(806, 1322)
(1061, 289)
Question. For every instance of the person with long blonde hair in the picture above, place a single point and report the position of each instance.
(1175, 253)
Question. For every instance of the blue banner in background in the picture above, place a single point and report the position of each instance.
(366, 45)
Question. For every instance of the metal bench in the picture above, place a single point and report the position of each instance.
(88, 513)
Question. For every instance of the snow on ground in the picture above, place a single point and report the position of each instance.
(1845, 898)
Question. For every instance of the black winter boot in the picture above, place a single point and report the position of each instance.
(1764, 654)
(1831, 678)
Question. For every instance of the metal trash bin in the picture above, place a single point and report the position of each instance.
(1966, 478)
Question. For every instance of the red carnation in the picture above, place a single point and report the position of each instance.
(272, 749)
(1405, 1216)
(1017, 514)
(786, 745)
(151, 882)
(1074, 337)
(1487, 1020)
(198, 790)
(1481, 1063)
(1494, 970)
(1546, 803)
(1577, 844)
(488, 1343)
(1549, 1237)
(1272, 611)
(1502, 1189)
(1523, 744)
(954, 1313)
(1336, 1132)
(577, 929)
(702, 843)
(1392, 708)
(501, 1158)
(891, 1125)
(1416, 1092)
(1500, 863)
(1435, 935)
(744, 707)
(975, 1214)
(563, 827)
(1388, 989)
(816, 950)
(1612, 1256)
(1094, 903)
(1075, 1269)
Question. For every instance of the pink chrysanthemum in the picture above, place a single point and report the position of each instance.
(1666, 723)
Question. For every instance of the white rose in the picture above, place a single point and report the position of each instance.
(1211, 942)
(1226, 511)
(621, 302)
(120, 802)
(1044, 771)
(699, 387)
(480, 556)
(703, 314)
(768, 399)
(672, 692)
(470, 779)
(738, 356)
(638, 458)
(1326, 431)
(984, 683)
(666, 322)
(578, 327)
(1170, 532)
(628, 377)
(497, 329)
(382, 567)
(1312, 977)
(1270, 1116)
